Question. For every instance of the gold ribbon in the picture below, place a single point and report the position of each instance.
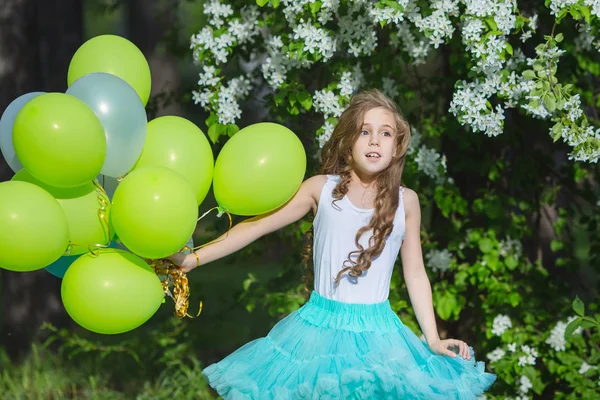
(172, 274)
(103, 215)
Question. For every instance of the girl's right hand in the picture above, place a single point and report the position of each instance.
(185, 262)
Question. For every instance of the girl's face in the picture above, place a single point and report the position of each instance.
(376, 144)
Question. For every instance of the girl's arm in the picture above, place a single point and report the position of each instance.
(251, 229)
(417, 282)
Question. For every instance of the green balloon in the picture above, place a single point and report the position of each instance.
(111, 292)
(59, 140)
(34, 231)
(113, 55)
(179, 145)
(87, 224)
(154, 212)
(259, 169)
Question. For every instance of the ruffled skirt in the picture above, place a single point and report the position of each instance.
(333, 350)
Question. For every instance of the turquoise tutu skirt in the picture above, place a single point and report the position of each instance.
(332, 350)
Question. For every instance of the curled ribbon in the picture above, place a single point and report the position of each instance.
(170, 273)
(103, 215)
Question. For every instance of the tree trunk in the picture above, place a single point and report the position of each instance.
(151, 23)
(37, 40)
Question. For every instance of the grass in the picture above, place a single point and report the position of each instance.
(170, 367)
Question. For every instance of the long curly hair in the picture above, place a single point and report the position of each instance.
(337, 160)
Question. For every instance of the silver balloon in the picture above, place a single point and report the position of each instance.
(6, 126)
(122, 115)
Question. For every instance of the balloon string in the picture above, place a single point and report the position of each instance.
(103, 215)
(221, 211)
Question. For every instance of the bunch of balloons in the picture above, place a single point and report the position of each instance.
(56, 215)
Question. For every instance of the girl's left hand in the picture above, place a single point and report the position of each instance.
(441, 347)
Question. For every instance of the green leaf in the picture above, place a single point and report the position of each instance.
(549, 103)
(262, 3)
(315, 7)
(275, 3)
(514, 298)
(575, 13)
(588, 324)
(556, 245)
(572, 327)
(585, 11)
(557, 131)
(305, 100)
(559, 38)
(509, 49)
(511, 263)
(528, 74)
(213, 133)
(232, 129)
(445, 305)
(485, 245)
(578, 307)
(305, 226)
(491, 23)
(561, 14)
(211, 119)
(249, 281)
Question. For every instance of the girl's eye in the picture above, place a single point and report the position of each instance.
(364, 133)
(386, 133)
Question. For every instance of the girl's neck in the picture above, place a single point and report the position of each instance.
(366, 182)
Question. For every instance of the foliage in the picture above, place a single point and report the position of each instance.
(503, 98)
(154, 365)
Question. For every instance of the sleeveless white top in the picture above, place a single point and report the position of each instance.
(335, 228)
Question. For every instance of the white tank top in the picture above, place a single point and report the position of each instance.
(335, 228)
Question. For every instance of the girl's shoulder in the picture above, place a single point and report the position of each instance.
(410, 199)
(316, 184)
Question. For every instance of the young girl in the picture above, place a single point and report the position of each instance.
(346, 342)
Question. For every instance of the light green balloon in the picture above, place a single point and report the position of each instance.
(111, 292)
(33, 227)
(179, 145)
(114, 55)
(154, 212)
(259, 169)
(59, 140)
(81, 206)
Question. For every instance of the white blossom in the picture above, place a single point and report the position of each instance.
(327, 131)
(496, 355)
(439, 260)
(524, 384)
(530, 356)
(388, 87)
(388, 14)
(316, 40)
(328, 103)
(585, 367)
(202, 98)
(556, 340)
(509, 246)
(415, 142)
(429, 161)
(218, 11)
(357, 32)
(500, 324)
